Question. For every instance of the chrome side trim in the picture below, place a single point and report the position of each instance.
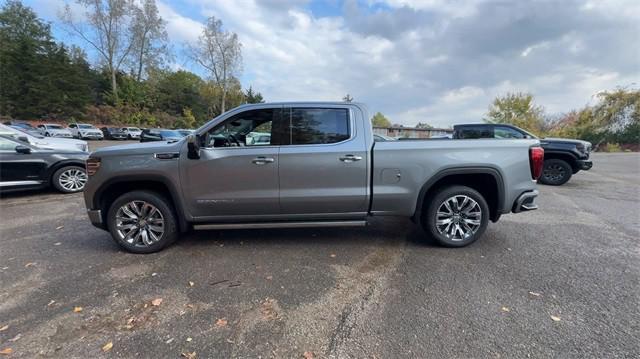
(19, 183)
(281, 225)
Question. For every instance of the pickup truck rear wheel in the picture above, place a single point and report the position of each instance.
(555, 172)
(142, 222)
(456, 216)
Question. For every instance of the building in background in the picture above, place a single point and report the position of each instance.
(412, 132)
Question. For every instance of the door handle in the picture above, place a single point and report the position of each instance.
(262, 160)
(350, 158)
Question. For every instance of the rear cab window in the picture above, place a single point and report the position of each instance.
(315, 126)
(474, 132)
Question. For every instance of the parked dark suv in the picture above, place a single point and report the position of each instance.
(562, 157)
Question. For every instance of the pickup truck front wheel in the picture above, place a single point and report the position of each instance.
(456, 216)
(142, 222)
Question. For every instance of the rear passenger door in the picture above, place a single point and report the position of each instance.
(323, 165)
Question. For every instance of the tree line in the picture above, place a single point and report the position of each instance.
(130, 83)
(614, 118)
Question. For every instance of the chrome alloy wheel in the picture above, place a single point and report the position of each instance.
(458, 217)
(139, 223)
(73, 179)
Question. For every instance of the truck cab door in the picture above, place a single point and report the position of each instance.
(324, 167)
(235, 176)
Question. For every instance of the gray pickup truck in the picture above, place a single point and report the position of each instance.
(315, 165)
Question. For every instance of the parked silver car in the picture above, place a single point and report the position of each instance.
(54, 130)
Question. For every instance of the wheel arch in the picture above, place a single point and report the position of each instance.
(568, 157)
(106, 194)
(486, 180)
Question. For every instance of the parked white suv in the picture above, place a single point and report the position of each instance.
(133, 133)
(84, 130)
(52, 143)
(54, 130)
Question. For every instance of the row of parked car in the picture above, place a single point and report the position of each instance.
(85, 131)
(51, 155)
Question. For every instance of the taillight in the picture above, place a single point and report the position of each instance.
(93, 164)
(536, 161)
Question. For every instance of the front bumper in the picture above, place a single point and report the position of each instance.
(95, 216)
(526, 202)
(585, 165)
(62, 135)
(94, 136)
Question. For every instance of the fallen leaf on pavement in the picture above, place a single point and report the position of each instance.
(332, 255)
(59, 227)
(505, 309)
(169, 341)
(16, 338)
(191, 355)
(222, 322)
(51, 303)
(57, 243)
(156, 302)
(154, 274)
(555, 319)
(269, 277)
(535, 294)
(77, 309)
(189, 339)
(4, 328)
(107, 347)
(191, 284)
(30, 264)
(6, 351)
(308, 355)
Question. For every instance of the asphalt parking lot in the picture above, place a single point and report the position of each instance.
(563, 281)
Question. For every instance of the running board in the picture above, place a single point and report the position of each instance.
(264, 225)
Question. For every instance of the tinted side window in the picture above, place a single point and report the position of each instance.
(6, 145)
(474, 132)
(507, 132)
(261, 127)
(310, 126)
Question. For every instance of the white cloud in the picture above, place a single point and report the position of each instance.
(435, 61)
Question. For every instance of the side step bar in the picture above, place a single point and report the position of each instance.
(263, 225)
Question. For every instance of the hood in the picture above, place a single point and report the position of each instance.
(60, 143)
(138, 148)
(565, 140)
(89, 130)
(58, 130)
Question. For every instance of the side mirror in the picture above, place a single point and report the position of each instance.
(23, 149)
(193, 146)
(23, 139)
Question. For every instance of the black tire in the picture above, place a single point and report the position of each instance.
(475, 231)
(555, 172)
(64, 185)
(168, 216)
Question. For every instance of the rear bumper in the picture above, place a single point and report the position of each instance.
(585, 165)
(526, 202)
(95, 216)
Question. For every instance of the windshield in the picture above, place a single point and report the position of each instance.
(85, 126)
(54, 127)
(133, 129)
(169, 133)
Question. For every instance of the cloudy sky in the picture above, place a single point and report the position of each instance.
(434, 61)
